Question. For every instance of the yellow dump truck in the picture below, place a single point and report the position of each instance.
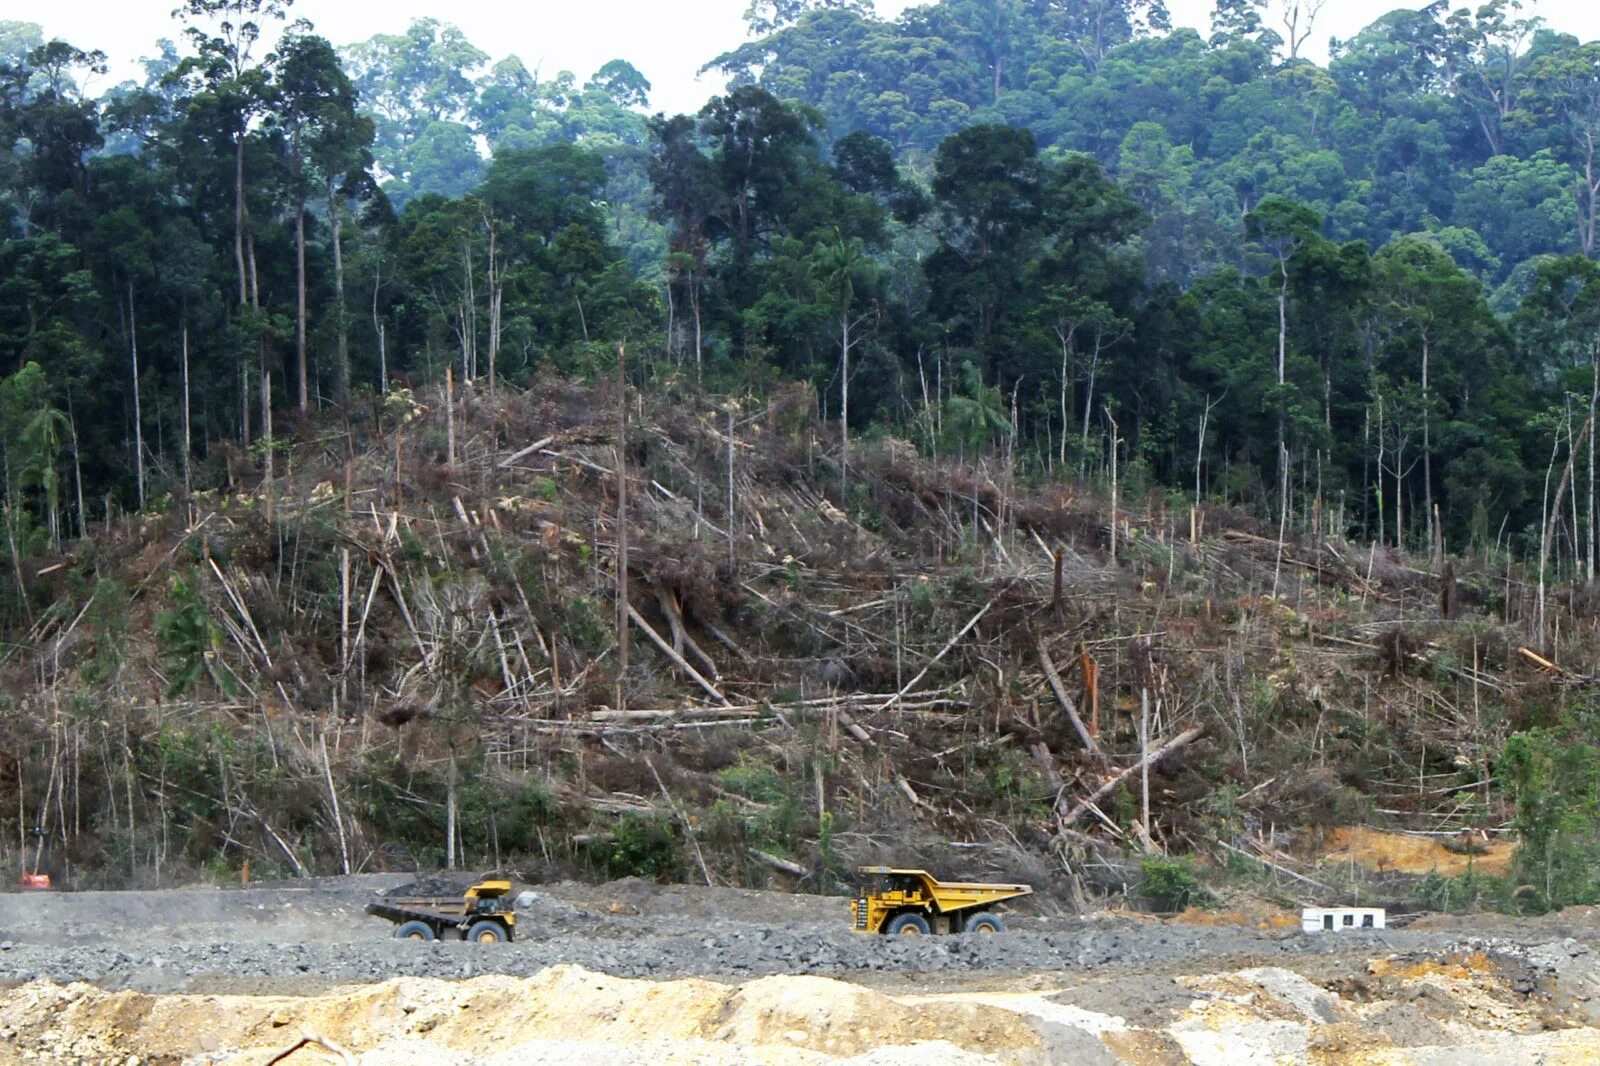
(915, 903)
(483, 914)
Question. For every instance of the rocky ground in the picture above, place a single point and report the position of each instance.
(210, 975)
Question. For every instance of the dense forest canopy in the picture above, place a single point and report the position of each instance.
(1362, 295)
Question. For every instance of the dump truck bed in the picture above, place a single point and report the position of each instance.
(406, 910)
(956, 895)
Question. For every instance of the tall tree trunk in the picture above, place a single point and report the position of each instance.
(188, 436)
(243, 384)
(1594, 401)
(699, 336)
(1378, 488)
(1553, 510)
(268, 486)
(495, 287)
(238, 213)
(732, 518)
(1589, 201)
(377, 327)
(672, 310)
(255, 275)
(844, 408)
(77, 470)
(1114, 500)
(341, 385)
(244, 277)
(138, 413)
(1066, 415)
(622, 528)
(450, 814)
(1399, 497)
(1283, 360)
(300, 360)
(1427, 452)
(450, 416)
(1088, 408)
(469, 368)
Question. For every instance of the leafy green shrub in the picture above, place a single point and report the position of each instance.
(580, 623)
(755, 780)
(1468, 892)
(1554, 775)
(108, 631)
(643, 845)
(1171, 884)
(187, 637)
(492, 811)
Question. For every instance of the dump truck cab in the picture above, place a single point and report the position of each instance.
(907, 902)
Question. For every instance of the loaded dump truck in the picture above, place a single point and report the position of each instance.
(900, 902)
(483, 914)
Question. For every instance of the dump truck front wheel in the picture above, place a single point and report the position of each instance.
(414, 931)
(984, 923)
(909, 925)
(486, 933)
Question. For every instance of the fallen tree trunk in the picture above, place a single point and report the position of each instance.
(915, 681)
(783, 865)
(1054, 677)
(686, 714)
(1122, 775)
(529, 450)
(677, 660)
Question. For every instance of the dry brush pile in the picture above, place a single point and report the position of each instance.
(407, 649)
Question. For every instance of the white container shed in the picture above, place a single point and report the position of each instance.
(1338, 919)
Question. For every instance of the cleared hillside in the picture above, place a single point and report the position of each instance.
(403, 651)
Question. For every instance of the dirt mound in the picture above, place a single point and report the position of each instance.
(842, 1019)
(1475, 1004)
(779, 1019)
(1144, 1000)
(1407, 854)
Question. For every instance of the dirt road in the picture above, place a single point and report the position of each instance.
(1102, 987)
(262, 939)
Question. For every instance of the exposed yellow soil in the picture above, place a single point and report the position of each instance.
(786, 1020)
(1404, 853)
(1463, 967)
(1251, 918)
(1404, 1011)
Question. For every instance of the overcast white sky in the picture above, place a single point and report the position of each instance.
(667, 41)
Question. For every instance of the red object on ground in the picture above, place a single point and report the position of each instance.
(35, 881)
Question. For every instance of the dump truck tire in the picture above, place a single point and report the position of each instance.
(414, 931)
(486, 933)
(909, 925)
(984, 923)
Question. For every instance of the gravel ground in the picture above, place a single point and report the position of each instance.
(306, 937)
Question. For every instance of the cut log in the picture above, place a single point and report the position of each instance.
(1065, 700)
(952, 642)
(681, 640)
(853, 727)
(1122, 775)
(1539, 660)
(677, 660)
(680, 714)
(529, 450)
(783, 865)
